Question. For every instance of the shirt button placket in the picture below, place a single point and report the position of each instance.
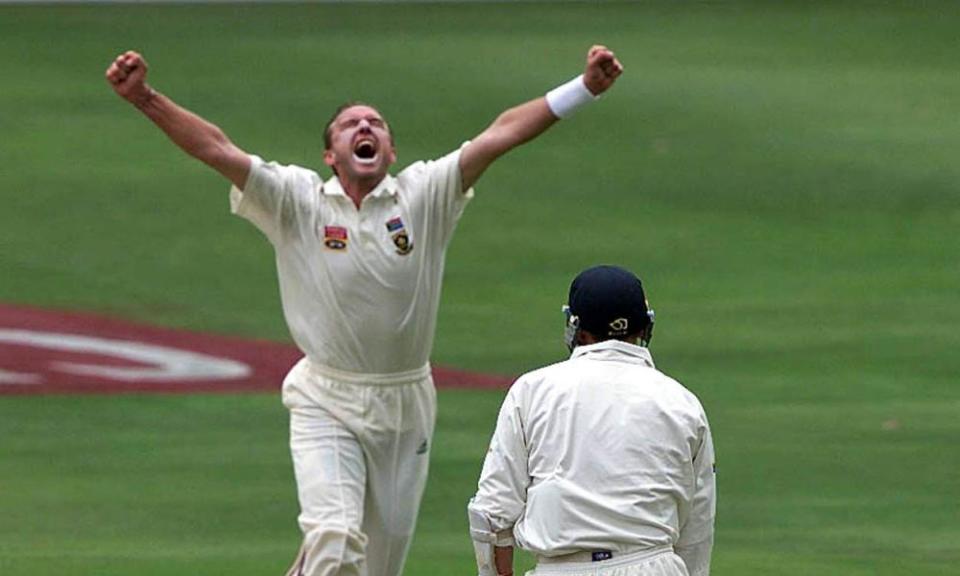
(366, 235)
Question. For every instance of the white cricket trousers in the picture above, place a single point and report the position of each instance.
(360, 446)
(654, 562)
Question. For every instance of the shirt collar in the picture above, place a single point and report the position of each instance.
(615, 350)
(387, 188)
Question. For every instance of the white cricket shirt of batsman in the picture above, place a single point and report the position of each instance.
(602, 452)
(360, 288)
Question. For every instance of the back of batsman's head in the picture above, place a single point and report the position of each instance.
(609, 303)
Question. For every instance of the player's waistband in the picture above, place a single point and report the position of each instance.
(367, 378)
(591, 559)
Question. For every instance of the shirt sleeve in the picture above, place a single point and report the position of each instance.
(268, 197)
(502, 489)
(695, 544)
(445, 193)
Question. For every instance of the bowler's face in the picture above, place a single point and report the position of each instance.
(360, 145)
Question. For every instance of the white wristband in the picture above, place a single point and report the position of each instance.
(567, 98)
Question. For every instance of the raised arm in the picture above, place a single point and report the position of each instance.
(525, 122)
(197, 137)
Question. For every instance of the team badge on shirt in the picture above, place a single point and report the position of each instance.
(335, 237)
(400, 237)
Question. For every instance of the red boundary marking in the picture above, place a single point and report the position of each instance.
(269, 360)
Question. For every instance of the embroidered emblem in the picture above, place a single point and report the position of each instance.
(403, 243)
(400, 237)
(335, 237)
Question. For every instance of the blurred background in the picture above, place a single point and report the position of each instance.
(783, 176)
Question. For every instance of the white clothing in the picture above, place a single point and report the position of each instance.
(653, 562)
(360, 455)
(360, 288)
(602, 452)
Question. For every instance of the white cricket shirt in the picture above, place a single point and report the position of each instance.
(602, 452)
(360, 288)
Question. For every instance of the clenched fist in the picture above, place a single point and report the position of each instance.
(602, 69)
(127, 75)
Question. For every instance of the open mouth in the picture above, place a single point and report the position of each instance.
(365, 151)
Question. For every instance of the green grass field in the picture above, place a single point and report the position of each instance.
(784, 176)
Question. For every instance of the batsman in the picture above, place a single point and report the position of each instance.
(600, 465)
(359, 259)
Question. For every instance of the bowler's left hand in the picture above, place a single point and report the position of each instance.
(602, 69)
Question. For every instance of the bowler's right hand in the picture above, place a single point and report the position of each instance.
(127, 75)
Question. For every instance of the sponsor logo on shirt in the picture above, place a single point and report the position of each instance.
(335, 237)
(399, 235)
